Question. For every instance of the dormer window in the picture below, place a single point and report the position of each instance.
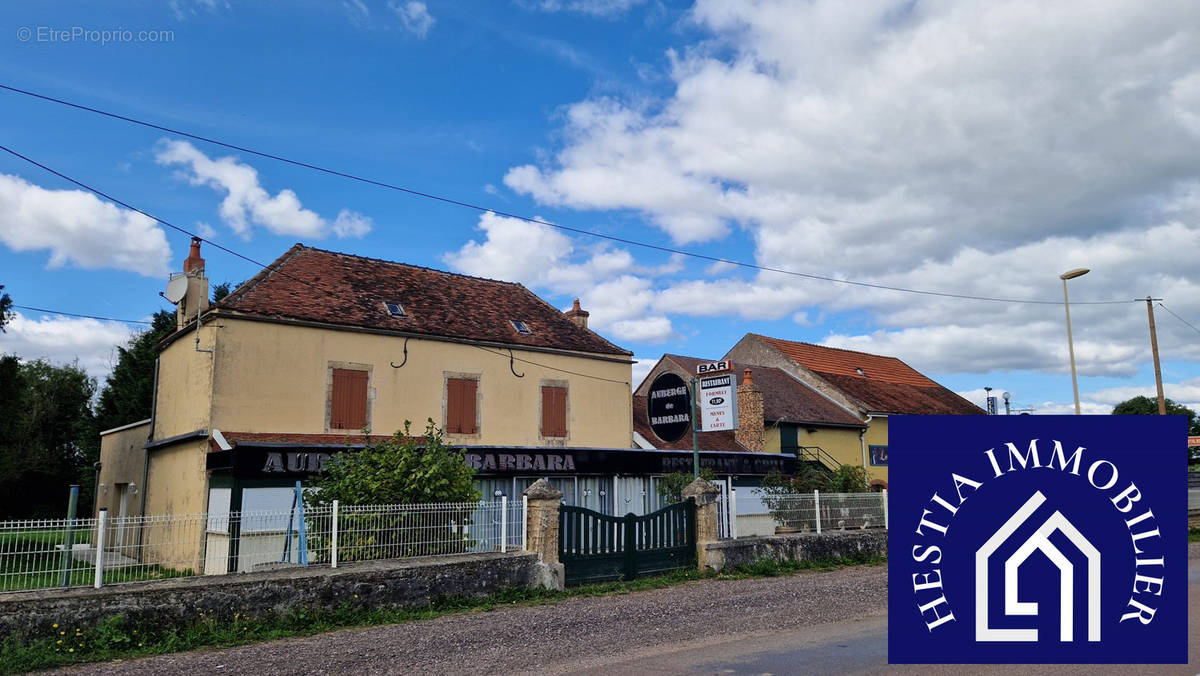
(521, 327)
(396, 310)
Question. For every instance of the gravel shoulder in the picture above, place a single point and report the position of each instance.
(555, 638)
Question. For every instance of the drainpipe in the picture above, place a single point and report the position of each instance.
(862, 440)
(146, 457)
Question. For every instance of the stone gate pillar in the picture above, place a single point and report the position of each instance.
(541, 523)
(706, 496)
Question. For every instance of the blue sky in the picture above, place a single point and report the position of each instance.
(962, 147)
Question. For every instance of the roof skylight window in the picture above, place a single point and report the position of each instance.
(395, 310)
(521, 327)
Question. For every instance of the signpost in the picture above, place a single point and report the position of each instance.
(671, 402)
(718, 403)
(669, 407)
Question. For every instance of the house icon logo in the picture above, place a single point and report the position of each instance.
(1031, 539)
(1038, 542)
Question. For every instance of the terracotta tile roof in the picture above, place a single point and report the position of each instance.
(885, 384)
(784, 398)
(334, 288)
(709, 441)
(836, 361)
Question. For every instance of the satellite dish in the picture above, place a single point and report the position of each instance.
(176, 289)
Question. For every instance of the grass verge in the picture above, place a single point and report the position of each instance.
(115, 638)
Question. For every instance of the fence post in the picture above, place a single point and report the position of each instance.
(885, 510)
(524, 523)
(817, 508)
(629, 566)
(101, 524)
(68, 555)
(333, 539)
(707, 497)
(542, 525)
(503, 524)
(733, 512)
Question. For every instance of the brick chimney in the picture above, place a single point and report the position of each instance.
(578, 315)
(195, 300)
(194, 261)
(750, 414)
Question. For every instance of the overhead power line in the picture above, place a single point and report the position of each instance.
(230, 251)
(528, 219)
(1190, 325)
(72, 314)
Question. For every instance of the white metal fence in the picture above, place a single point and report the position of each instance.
(752, 511)
(62, 553)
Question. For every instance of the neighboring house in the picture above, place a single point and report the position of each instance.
(777, 413)
(872, 386)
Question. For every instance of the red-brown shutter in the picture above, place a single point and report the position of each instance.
(460, 406)
(348, 410)
(554, 411)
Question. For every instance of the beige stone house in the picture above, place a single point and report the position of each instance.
(258, 390)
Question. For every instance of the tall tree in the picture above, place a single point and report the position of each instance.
(46, 421)
(129, 389)
(1149, 406)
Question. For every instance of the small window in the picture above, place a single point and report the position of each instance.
(461, 410)
(395, 310)
(554, 411)
(521, 327)
(348, 400)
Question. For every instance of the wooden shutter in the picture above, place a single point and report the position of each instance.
(348, 409)
(554, 411)
(460, 406)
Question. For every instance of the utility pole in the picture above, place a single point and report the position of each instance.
(1162, 402)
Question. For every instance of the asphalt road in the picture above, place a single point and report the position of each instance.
(812, 623)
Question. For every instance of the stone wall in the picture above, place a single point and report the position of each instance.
(727, 554)
(395, 583)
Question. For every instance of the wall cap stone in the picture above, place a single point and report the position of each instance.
(542, 490)
(704, 492)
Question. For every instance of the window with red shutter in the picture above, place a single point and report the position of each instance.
(348, 401)
(554, 411)
(461, 411)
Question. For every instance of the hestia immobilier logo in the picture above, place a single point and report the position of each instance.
(1037, 539)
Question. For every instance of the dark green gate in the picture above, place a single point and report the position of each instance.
(594, 547)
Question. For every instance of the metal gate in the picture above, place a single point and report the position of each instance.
(594, 547)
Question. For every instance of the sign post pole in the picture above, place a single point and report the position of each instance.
(695, 437)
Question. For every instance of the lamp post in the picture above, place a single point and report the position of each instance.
(1071, 274)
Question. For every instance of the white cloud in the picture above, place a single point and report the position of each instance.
(641, 369)
(64, 340)
(608, 281)
(351, 224)
(77, 227)
(247, 203)
(972, 147)
(604, 8)
(1186, 393)
(357, 11)
(648, 330)
(414, 17)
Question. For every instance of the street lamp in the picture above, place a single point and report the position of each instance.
(1071, 274)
